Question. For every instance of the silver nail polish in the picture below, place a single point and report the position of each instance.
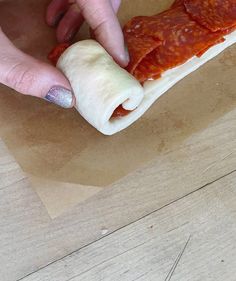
(60, 96)
(127, 53)
(125, 57)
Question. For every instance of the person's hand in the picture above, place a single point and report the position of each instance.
(32, 77)
(69, 15)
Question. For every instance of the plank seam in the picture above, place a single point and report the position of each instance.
(124, 226)
(13, 183)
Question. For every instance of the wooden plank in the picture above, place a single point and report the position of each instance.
(194, 238)
(10, 171)
(21, 216)
(203, 158)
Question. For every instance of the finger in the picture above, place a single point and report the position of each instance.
(102, 19)
(115, 5)
(32, 77)
(70, 24)
(55, 11)
(92, 34)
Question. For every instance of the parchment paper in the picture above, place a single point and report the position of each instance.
(67, 159)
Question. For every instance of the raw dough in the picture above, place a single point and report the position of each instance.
(100, 85)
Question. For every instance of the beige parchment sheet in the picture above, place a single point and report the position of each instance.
(66, 159)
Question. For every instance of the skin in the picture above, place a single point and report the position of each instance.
(30, 76)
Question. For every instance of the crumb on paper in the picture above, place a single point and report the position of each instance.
(104, 231)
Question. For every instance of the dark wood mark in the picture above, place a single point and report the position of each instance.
(174, 266)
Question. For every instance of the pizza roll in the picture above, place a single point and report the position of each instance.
(163, 48)
(100, 85)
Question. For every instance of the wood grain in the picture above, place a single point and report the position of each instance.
(30, 240)
(21, 216)
(194, 238)
(166, 221)
(10, 171)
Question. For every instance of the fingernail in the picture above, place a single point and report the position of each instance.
(60, 96)
(125, 58)
(70, 35)
(57, 18)
(127, 53)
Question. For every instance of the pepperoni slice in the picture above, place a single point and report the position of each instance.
(120, 112)
(221, 40)
(179, 38)
(139, 44)
(213, 14)
(177, 3)
(56, 52)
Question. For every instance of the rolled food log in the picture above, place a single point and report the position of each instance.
(100, 85)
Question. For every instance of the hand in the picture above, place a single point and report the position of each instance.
(20, 71)
(28, 75)
(69, 15)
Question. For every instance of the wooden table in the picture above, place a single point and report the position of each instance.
(174, 219)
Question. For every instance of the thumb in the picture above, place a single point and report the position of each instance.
(32, 77)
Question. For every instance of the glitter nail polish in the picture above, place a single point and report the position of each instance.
(60, 96)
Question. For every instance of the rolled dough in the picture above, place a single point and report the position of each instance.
(100, 85)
